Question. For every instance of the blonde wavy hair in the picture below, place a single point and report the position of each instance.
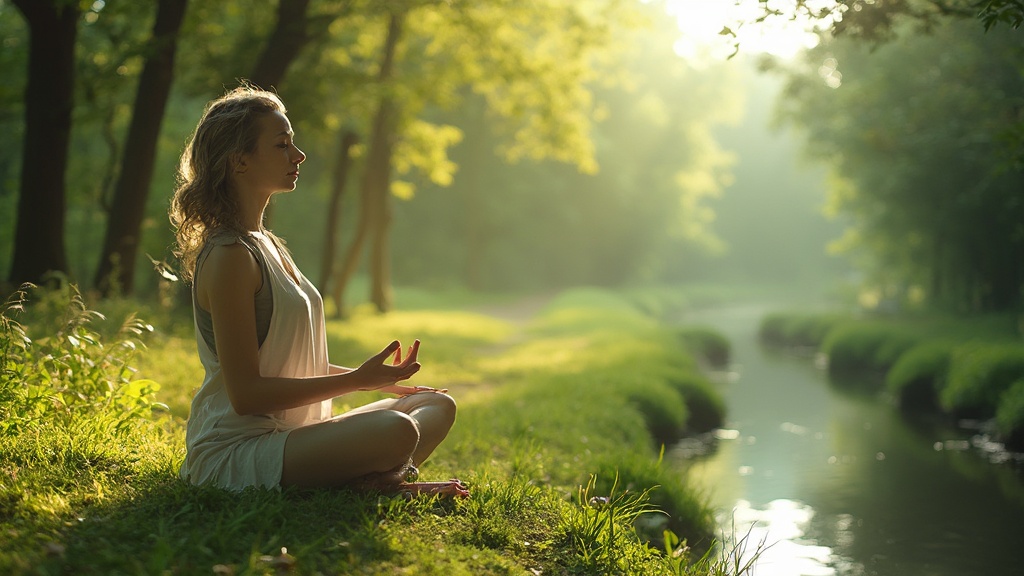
(203, 202)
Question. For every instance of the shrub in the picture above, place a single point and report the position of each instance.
(708, 344)
(798, 328)
(979, 373)
(663, 411)
(704, 404)
(1010, 416)
(918, 375)
(70, 375)
(861, 346)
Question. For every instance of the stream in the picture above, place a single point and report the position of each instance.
(834, 483)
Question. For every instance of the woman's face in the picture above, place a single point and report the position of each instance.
(274, 165)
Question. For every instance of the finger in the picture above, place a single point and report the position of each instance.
(397, 359)
(414, 351)
(383, 354)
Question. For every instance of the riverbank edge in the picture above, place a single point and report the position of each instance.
(961, 369)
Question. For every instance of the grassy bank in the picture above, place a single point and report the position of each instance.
(964, 367)
(561, 413)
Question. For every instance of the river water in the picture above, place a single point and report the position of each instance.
(836, 483)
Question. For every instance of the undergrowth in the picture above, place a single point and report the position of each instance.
(564, 475)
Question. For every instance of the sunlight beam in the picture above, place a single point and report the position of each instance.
(713, 29)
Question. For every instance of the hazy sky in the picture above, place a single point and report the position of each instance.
(702, 22)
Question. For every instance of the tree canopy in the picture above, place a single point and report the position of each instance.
(922, 133)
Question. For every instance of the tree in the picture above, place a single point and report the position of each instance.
(915, 130)
(49, 99)
(529, 62)
(375, 214)
(878, 19)
(339, 183)
(116, 270)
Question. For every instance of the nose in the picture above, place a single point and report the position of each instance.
(299, 157)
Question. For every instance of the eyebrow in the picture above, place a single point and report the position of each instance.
(286, 133)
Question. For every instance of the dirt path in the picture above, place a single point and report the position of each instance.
(518, 312)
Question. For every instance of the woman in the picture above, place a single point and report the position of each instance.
(263, 414)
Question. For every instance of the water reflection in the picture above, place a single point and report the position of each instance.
(841, 483)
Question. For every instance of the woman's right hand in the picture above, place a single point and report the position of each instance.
(377, 373)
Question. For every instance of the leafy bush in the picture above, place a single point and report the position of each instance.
(69, 376)
(663, 412)
(919, 374)
(1010, 415)
(707, 344)
(866, 346)
(979, 373)
(798, 328)
(704, 404)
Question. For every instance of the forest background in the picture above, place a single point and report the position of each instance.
(508, 146)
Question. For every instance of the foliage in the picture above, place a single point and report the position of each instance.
(68, 378)
(914, 180)
(1009, 12)
(871, 346)
(979, 373)
(704, 404)
(707, 344)
(798, 329)
(1010, 415)
(919, 374)
(597, 525)
(878, 21)
(537, 446)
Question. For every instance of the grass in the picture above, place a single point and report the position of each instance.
(554, 437)
(965, 367)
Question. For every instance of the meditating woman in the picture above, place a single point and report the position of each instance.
(263, 416)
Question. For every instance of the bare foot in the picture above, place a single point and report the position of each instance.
(453, 487)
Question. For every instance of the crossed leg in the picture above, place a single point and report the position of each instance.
(376, 442)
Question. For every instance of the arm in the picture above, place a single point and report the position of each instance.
(226, 286)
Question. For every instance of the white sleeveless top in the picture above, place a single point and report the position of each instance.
(234, 451)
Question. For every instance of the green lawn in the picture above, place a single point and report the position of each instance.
(558, 405)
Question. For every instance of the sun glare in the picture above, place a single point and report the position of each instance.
(714, 29)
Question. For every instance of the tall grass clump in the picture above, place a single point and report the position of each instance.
(919, 375)
(857, 347)
(1010, 416)
(979, 374)
(798, 329)
(72, 423)
(707, 344)
(69, 378)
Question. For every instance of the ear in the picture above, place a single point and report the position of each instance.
(239, 163)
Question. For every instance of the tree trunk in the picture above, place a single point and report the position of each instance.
(380, 245)
(49, 99)
(116, 271)
(348, 267)
(474, 213)
(379, 176)
(288, 38)
(341, 169)
(374, 189)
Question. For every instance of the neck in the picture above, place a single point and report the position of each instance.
(251, 207)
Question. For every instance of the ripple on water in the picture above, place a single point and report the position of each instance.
(772, 541)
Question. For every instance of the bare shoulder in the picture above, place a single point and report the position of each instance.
(229, 271)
